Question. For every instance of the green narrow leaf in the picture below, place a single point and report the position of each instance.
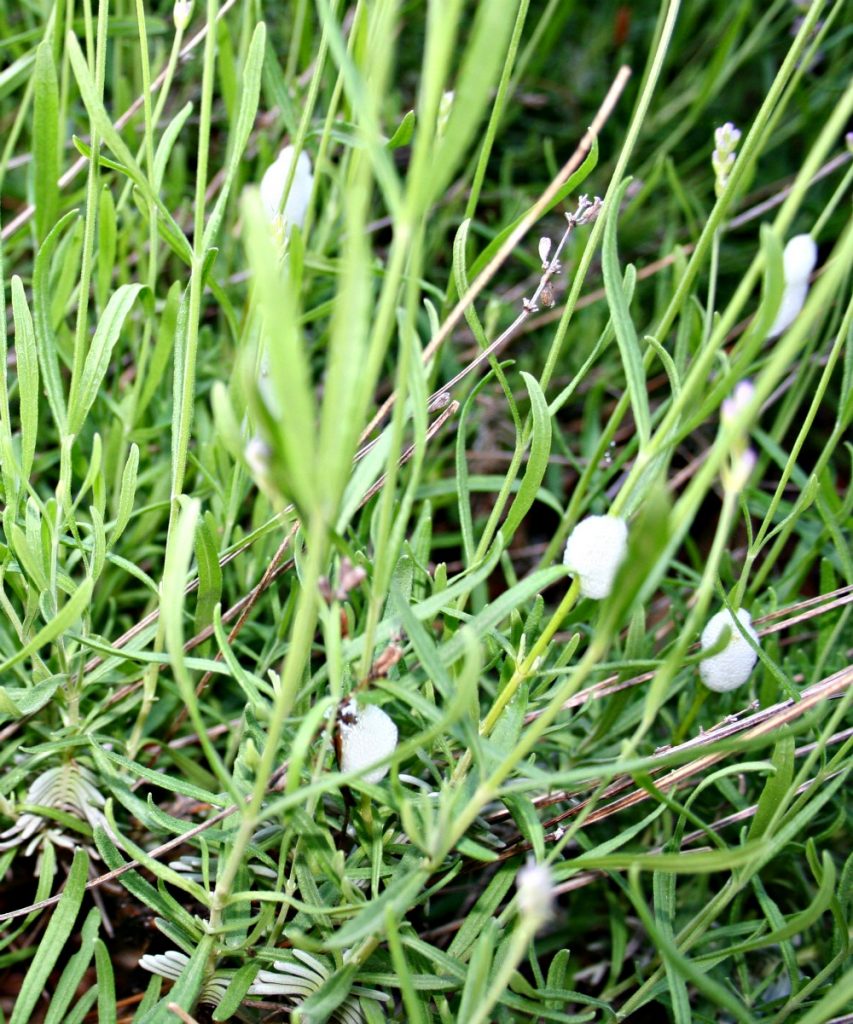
(167, 142)
(84, 393)
(66, 987)
(663, 887)
(403, 972)
(68, 615)
(45, 140)
(483, 56)
(17, 701)
(476, 919)
(403, 133)
(28, 375)
(52, 943)
(166, 223)
(106, 261)
(106, 985)
(158, 900)
(477, 978)
(209, 572)
(236, 992)
(99, 543)
(537, 463)
(43, 321)
(626, 334)
(28, 554)
(126, 495)
(293, 423)
(776, 788)
(239, 135)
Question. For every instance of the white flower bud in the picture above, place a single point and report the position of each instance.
(367, 735)
(799, 261)
(535, 892)
(272, 189)
(738, 401)
(731, 667)
(594, 551)
(181, 14)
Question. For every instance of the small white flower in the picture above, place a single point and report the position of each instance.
(731, 667)
(272, 189)
(535, 892)
(726, 138)
(367, 735)
(594, 551)
(799, 261)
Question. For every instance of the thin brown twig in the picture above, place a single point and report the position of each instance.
(650, 269)
(534, 213)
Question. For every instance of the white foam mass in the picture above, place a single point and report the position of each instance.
(368, 738)
(273, 184)
(732, 666)
(594, 551)
(799, 259)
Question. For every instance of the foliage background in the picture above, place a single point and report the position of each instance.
(169, 666)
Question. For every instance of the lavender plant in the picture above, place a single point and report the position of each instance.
(346, 351)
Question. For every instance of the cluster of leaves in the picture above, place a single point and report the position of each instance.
(180, 624)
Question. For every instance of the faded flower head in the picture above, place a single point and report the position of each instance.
(726, 139)
(594, 551)
(799, 259)
(535, 892)
(367, 735)
(731, 667)
(273, 185)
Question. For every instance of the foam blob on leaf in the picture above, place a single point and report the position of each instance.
(367, 735)
(273, 184)
(594, 551)
(732, 666)
(799, 259)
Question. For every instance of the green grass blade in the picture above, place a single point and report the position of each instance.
(626, 334)
(52, 942)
